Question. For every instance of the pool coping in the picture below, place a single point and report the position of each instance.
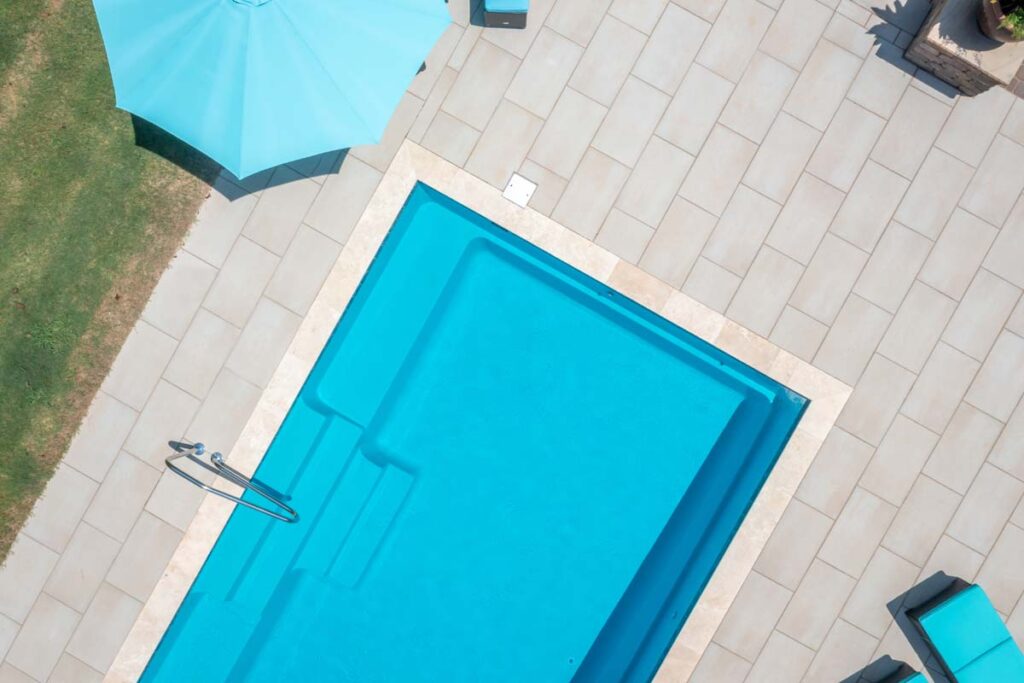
(413, 163)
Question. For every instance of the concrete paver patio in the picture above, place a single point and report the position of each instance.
(778, 161)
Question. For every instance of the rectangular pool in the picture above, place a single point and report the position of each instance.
(505, 471)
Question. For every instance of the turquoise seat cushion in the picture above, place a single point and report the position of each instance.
(506, 5)
(964, 627)
(916, 677)
(1004, 662)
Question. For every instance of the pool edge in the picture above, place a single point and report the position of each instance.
(412, 164)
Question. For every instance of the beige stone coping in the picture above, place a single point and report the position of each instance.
(414, 163)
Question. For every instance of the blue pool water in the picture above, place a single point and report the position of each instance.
(505, 472)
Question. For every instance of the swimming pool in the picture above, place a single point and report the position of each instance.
(505, 470)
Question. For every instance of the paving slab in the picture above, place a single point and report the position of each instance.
(857, 532)
(782, 157)
(798, 333)
(830, 480)
(624, 236)
(999, 384)
(869, 206)
(678, 241)
(762, 296)
(829, 278)
(654, 182)
(898, 460)
(42, 638)
(752, 616)
(986, 509)
(718, 665)
(717, 171)
(852, 339)
(22, 577)
(733, 40)
(671, 48)
(81, 568)
(921, 519)
(817, 602)
(694, 110)
(893, 267)
(793, 544)
(58, 511)
(758, 97)
(744, 223)
(544, 73)
(887, 576)
(819, 91)
(504, 144)
(630, 122)
(963, 448)
(481, 84)
(981, 315)
(608, 60)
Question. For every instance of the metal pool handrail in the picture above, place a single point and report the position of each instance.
(222, 469)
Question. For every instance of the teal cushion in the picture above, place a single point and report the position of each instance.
(964, 627)
(916, 677)
(506, 5)
(1005, 662)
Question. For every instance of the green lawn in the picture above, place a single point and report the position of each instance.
(88, 220)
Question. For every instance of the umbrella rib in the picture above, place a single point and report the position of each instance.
(302, 39)
(243, 96)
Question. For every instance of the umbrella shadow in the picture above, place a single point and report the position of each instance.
(328, 163)
(156, 140)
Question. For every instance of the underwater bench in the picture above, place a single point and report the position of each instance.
(506, 13)
(972, 643)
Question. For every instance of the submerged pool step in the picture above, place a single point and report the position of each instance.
(337, 517)
(326, 472)
(290, 628)
(622, 642)
(210, 650)
(372, 526)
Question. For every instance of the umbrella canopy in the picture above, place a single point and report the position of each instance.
(257, 83)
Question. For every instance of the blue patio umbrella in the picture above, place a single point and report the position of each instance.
(257, 83)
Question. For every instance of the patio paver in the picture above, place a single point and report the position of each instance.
(778, 161)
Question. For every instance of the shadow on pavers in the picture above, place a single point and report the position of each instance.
(898, 607)
(476, 13)
(906, 16)
(915, 597)
(154, 139)
(879, 670)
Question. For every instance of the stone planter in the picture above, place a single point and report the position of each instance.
(990, 16)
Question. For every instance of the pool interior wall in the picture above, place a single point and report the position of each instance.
(506, 471)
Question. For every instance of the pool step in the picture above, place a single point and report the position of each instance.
(324, 474)
(210, 649)
(370, 529)
(614, 653)
(290, 628)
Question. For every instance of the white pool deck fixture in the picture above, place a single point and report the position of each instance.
(412, 164)
(519, 190)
